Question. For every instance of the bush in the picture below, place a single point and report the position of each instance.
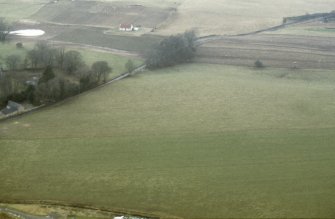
(13, 62)
(19, 45)
(259, 64)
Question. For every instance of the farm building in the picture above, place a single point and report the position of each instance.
(126, 27)
(32, 82)
(12, 108)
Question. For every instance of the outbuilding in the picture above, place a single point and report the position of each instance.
(12, 108)
(126, 27)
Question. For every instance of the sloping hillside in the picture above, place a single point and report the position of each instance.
(106, 14)
(195, 141)
(239, 16)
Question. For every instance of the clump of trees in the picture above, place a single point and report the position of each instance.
(13, 62)
(259, 64)
(64, 74)
(4, 30)
(101, 69)
(172, 50)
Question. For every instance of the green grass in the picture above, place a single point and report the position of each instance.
(196, 141)
(98, 38)
(19, 9)
(90, 56)
(331, 30)
(115, 61)
(307, 31)
(7, 49)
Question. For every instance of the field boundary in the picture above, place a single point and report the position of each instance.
(205, 39)
(115, 79)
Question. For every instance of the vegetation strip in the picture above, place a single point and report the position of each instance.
(77, 206)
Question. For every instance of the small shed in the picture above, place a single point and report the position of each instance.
(12, 108)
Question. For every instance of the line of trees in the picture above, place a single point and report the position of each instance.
(4, 30)
(173, 50)
(64, 74)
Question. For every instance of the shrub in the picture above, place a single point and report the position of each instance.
(259, 64)
(19, 45)
(173, 50)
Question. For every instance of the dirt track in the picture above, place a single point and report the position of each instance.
(286, 51)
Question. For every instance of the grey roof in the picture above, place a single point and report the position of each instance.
(14, 104)
(11, 108)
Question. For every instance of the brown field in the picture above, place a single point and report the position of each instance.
(288, 51)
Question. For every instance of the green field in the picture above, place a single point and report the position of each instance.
(7, 49)
(19, 9)
(307, 31)
(195, 141)
(115, 61)
(90, 56)
(98, 38)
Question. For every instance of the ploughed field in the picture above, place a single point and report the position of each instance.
(194, 141)
(274, 50)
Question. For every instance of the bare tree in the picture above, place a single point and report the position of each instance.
(4, 30)
(13, 61)
(101, 68)
(60, 56)
(73, 61)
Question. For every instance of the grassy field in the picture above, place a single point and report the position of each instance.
(106, 14)
(195, 141)
(19, 9)
(238, 16)
(149, 3)
(307, 31)
(90, 56)
(7, 49)
(92, 37)
(115, 61)
(274, 50)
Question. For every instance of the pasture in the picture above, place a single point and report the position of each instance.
(207, 17)
(193, 141)
(90, 56)
(7, 49)
(96, 37)
(316, 29)
(19, 9)
(238, 16)
(274, 49)
(103, 14)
